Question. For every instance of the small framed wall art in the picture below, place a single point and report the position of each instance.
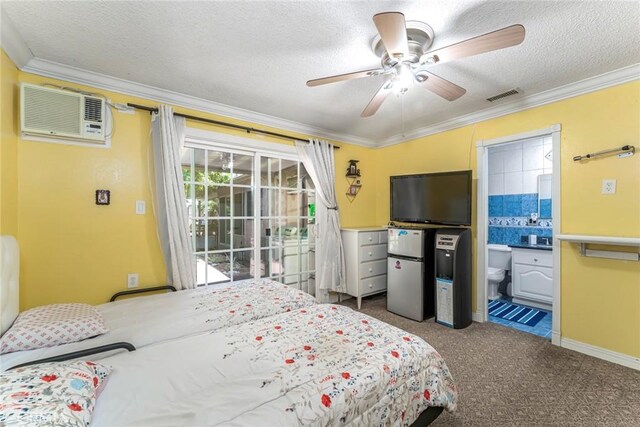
(103, 197)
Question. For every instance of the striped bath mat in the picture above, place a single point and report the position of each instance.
(515, 313)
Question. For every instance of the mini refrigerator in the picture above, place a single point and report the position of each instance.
(410, 289)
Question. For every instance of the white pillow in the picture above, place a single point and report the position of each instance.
(52, 325)
(53, 394)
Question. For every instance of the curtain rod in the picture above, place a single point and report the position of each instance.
(219, 123)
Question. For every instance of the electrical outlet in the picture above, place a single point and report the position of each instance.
(608, 186)
(132, 280)
(141, 207)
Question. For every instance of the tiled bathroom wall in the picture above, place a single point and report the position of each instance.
(514, 187)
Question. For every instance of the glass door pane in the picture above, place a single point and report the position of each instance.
(219, 190)
(284, 232)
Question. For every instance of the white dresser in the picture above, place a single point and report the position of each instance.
(365, 251)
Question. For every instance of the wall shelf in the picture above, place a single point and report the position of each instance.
(584, 240)
(353, 178)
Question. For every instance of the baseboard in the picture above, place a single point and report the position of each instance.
(601, 353)
(556, 338)
(476, 316)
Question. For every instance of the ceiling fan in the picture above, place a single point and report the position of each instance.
(402, 46)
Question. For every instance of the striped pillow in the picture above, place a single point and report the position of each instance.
(52, 325)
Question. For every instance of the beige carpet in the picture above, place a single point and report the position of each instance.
(510, 378)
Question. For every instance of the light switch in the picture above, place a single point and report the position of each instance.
(141, 207)
(608, 186)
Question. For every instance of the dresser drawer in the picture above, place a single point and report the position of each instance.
(372, 253)
(533, 257)
(373, 268)
(383, 235)
(373, 284)
(368, 238)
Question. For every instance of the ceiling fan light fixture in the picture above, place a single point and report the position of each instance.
(404, 78)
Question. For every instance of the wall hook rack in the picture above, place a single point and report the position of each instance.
(624, 151)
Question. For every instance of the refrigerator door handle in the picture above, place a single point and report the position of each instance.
(406, 258)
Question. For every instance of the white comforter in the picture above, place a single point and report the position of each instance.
(320, 365)
(150, 319)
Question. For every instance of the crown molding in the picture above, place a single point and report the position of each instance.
(71, 74)
(80, 76)
(591, 84)
(12, 42)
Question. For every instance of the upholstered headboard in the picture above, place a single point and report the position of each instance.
(9, 284)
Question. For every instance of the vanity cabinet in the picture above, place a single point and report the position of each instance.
(365, 253)
(532, 276)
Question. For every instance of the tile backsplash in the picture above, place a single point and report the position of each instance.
(513, 235)
(513, 191)
(515, 205)
(509, 218)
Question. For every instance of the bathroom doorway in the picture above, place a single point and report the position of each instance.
(518, 266)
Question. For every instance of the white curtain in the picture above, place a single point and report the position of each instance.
(170, 207)
(317, 158)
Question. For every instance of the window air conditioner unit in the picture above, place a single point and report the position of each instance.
(56, 113)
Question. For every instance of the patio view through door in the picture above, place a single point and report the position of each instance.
(223, 187)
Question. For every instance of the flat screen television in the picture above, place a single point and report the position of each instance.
(432, 198)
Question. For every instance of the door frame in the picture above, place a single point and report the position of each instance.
(482, 310)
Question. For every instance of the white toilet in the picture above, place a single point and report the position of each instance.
(499, 263)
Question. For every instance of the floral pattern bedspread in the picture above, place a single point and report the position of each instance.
(341, 367)
(322, 365)
(153, 319)
(247, 300)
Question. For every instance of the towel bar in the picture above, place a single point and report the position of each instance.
(584, 240)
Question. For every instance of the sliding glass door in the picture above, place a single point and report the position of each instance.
(287, 206)
(220, 193)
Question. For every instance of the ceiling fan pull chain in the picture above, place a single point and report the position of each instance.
(402, 113)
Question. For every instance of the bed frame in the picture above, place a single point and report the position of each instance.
(427, 416)
(80, 353)
(140, 291)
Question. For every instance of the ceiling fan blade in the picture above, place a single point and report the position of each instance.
(377, 99)
(393, 32)
(441, 87)
(506, 37)
(347, 76)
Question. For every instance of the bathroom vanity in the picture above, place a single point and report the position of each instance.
(532, 275)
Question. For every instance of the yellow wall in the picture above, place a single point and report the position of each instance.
(74, 250)
(600, 298)
(8, 146)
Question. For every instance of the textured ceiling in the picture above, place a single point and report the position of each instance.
(257, 55)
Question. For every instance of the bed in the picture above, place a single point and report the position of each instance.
(151, 319)
(318, 365)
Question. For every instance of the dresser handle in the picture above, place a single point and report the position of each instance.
(370, 285)
(370, 238)
(370, 253)
(535, 259)
(371, 270)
